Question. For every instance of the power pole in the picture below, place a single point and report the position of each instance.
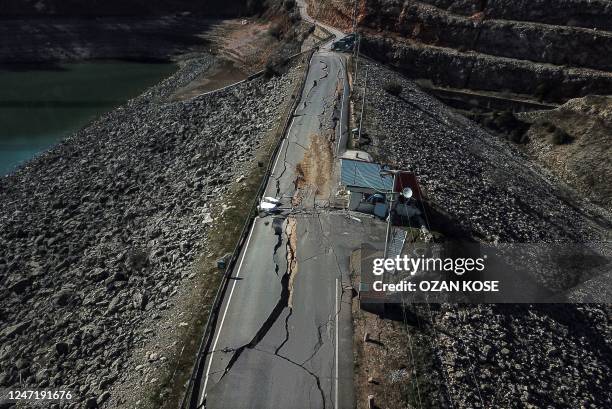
(389, 217)
(355, 17)
(356, 54)
(365, 89)
(356, 40)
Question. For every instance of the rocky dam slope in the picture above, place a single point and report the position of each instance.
(99, 236)
(496, 355)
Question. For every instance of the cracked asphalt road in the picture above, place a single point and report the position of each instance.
(284, 337)
(275, 354)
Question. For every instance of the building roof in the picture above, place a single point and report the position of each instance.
(357, 155)
(366, 175)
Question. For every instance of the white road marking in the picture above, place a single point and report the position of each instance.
(280, 151)
(246, 246)
(337, 349)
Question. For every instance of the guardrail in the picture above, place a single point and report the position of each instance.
(190, 398)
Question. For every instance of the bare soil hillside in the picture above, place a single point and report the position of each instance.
(574, 142)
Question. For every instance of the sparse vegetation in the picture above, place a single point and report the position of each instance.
(275, 66)
(505, 123)
(254, 6)
(275, 31)
(541, 91)
(559, 137)
(289, 5)
(270, 70)
(556, 135)
(394, 88)
(550, 127)
(573, 141)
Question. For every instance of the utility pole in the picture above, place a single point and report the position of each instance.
(355, 17)
(365, 88)
(394, 172)
(357, 39)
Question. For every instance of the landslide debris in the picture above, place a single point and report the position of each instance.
(312, 180)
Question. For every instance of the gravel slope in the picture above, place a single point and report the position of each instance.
(547, 355)
(485, 184)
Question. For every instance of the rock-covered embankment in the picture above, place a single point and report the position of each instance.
(549, 355)
(98, 234)
(528, 356)
(485, 184)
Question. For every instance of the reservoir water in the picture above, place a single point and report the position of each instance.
(39, 107)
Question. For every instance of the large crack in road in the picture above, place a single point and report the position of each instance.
(277, 226)
(284, 302)
(315, 82)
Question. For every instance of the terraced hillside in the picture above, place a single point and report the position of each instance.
(545, 50)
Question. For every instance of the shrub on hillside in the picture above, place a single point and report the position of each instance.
(277, 65)
(394, 88)
(556, 135)
(541, 92)
(275, 31)
(506, 122)
(549, 126)
(289, 5)
(559, 137)
(270, 70)
(254, 6)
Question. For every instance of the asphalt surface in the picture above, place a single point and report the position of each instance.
(278, 342)
(284, 336)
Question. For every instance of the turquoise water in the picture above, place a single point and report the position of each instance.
(39, 107)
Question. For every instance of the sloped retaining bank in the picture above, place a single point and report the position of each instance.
(99, 235)
(485, 355)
